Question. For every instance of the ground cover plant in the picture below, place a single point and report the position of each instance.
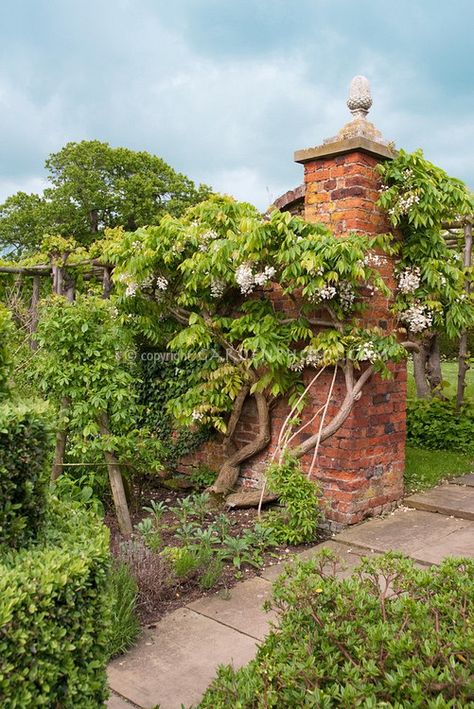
(182, 548)
(390, 635)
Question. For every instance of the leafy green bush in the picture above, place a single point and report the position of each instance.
(124, 621)
(54, 616)
(298, 521)
(436, 425)
(392, 635)
(24, 446)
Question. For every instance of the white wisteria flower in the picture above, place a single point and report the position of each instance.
(368, 353)
(162, 283)
(131, 289)
(217, 288)
(197, 415)
(409, 280)
(371, 259)
(418, 317)
(264, 276)
(347, 294)
(247, 279)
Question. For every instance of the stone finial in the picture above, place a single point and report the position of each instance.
(360, 98)
(359, 102)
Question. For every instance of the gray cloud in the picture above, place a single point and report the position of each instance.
(226, 91)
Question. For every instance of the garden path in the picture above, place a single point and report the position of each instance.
(175, 659)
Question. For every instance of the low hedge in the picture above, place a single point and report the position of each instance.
(392, 636)
(25, 443)
(54, 617)
(435, 424)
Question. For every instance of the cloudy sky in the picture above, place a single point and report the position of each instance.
(226, 90)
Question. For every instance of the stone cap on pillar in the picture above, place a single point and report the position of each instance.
(357, 135)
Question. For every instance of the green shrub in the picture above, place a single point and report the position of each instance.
(54, 617)
(436, 425)
(394, 636)
(124, 621)
(24, 446)
(298, 521)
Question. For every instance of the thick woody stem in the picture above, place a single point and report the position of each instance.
(230, 470)
(352, 395)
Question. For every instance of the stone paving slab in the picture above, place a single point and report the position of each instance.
(445, 499)
(463, 480)
(173, 663)
(242, 610)
(350, 557)
(413, 532)
(116, 702)
(458, 543)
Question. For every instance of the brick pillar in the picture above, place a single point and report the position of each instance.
(360, 468)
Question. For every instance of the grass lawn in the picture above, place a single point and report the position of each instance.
(426, 468)
(450, 377)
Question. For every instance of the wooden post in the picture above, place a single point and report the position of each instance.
(107, 283)
(35, 296)
(116, 482)
(463, 365)
(61, 440)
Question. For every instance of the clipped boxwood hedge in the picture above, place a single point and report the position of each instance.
(54, 617)
(396, 636)
(24, 446)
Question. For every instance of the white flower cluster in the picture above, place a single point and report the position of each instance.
(368, 353)
(325, 293)
(206, 239)
(131, 289)
(309, 358)
(161, 283)
(197, 415)
(409, 280)
(217, 288)
(418, 317)
(373, 260)
(136, 245)
(123, 278)
(247, 279)
(347, 294)
(408, 174)
(405, 203)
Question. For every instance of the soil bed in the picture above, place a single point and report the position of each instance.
(159, 590)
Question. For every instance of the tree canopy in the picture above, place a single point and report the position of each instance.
(92, 186)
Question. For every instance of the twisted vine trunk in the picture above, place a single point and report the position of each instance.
(230, 470)
(353, 392)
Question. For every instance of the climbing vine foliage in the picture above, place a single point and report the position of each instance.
(420, 199)
(257, 299)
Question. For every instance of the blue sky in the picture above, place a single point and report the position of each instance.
(226, 90)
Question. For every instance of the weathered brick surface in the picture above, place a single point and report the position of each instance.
(360, 469)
